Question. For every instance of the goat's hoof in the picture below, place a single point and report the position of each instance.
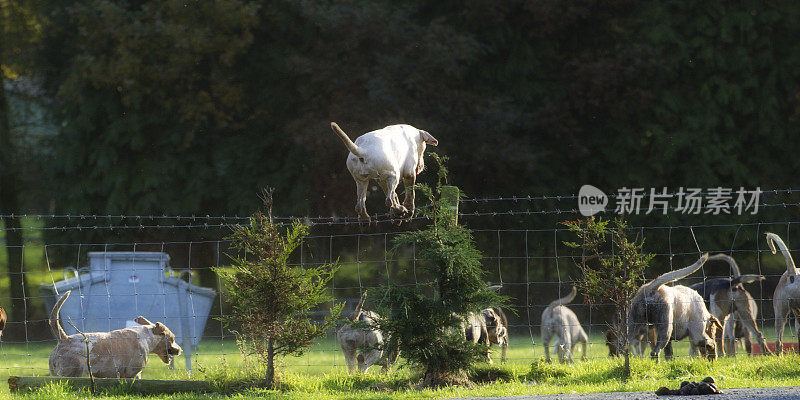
(409, 211)
(399, 214)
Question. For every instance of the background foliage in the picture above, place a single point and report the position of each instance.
(175, 107)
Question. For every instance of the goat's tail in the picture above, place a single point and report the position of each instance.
(747, 278)
(359, 307)
(772, 239)
(730, 260)
(495, 288)
(346, 140)
(564, 300)
(55, 324)
(651, 286)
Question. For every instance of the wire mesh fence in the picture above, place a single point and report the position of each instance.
(521, 239)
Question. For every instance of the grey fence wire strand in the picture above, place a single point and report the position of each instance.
(514, 199)
(327, 221)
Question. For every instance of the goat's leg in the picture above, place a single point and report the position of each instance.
(722, 311)
(558, 348)
(546, 343)
(566, 345)
(392, 201)
(668, 351)
(781, 314)
(350, 359)
(724, 340)
(652, 339)
(391, 197)
(637, 341)
(361, 199)
(663, 333)
(637, 347)
(797, 328)
(749, 322)
(484, 339)
(641, 346)
(729, 335)
(408, 202)
(368, 359)
(389, 356)
(584, 346)
(635, 338)
(546, 351)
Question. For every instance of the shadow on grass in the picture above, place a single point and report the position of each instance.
(483, 374)
(349, 382)
(608, 373)
(542, 371)
(786, 367)
(605, 371)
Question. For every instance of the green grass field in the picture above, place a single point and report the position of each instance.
(320, 373)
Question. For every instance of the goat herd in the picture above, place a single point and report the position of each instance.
(713, 314)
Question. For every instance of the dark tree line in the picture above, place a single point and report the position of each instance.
(179, 108)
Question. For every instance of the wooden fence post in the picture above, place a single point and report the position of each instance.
(449, 204)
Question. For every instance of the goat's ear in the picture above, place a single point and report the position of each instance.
(142, 321)
(427, 138)
(159, 329)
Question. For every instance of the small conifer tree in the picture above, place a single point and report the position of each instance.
(429, 330)
(272, 300)
(612, 270)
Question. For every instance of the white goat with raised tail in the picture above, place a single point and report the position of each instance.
(787, 293)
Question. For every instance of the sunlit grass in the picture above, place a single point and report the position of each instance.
(321, 374)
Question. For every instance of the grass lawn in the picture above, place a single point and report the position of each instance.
(320, 373)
